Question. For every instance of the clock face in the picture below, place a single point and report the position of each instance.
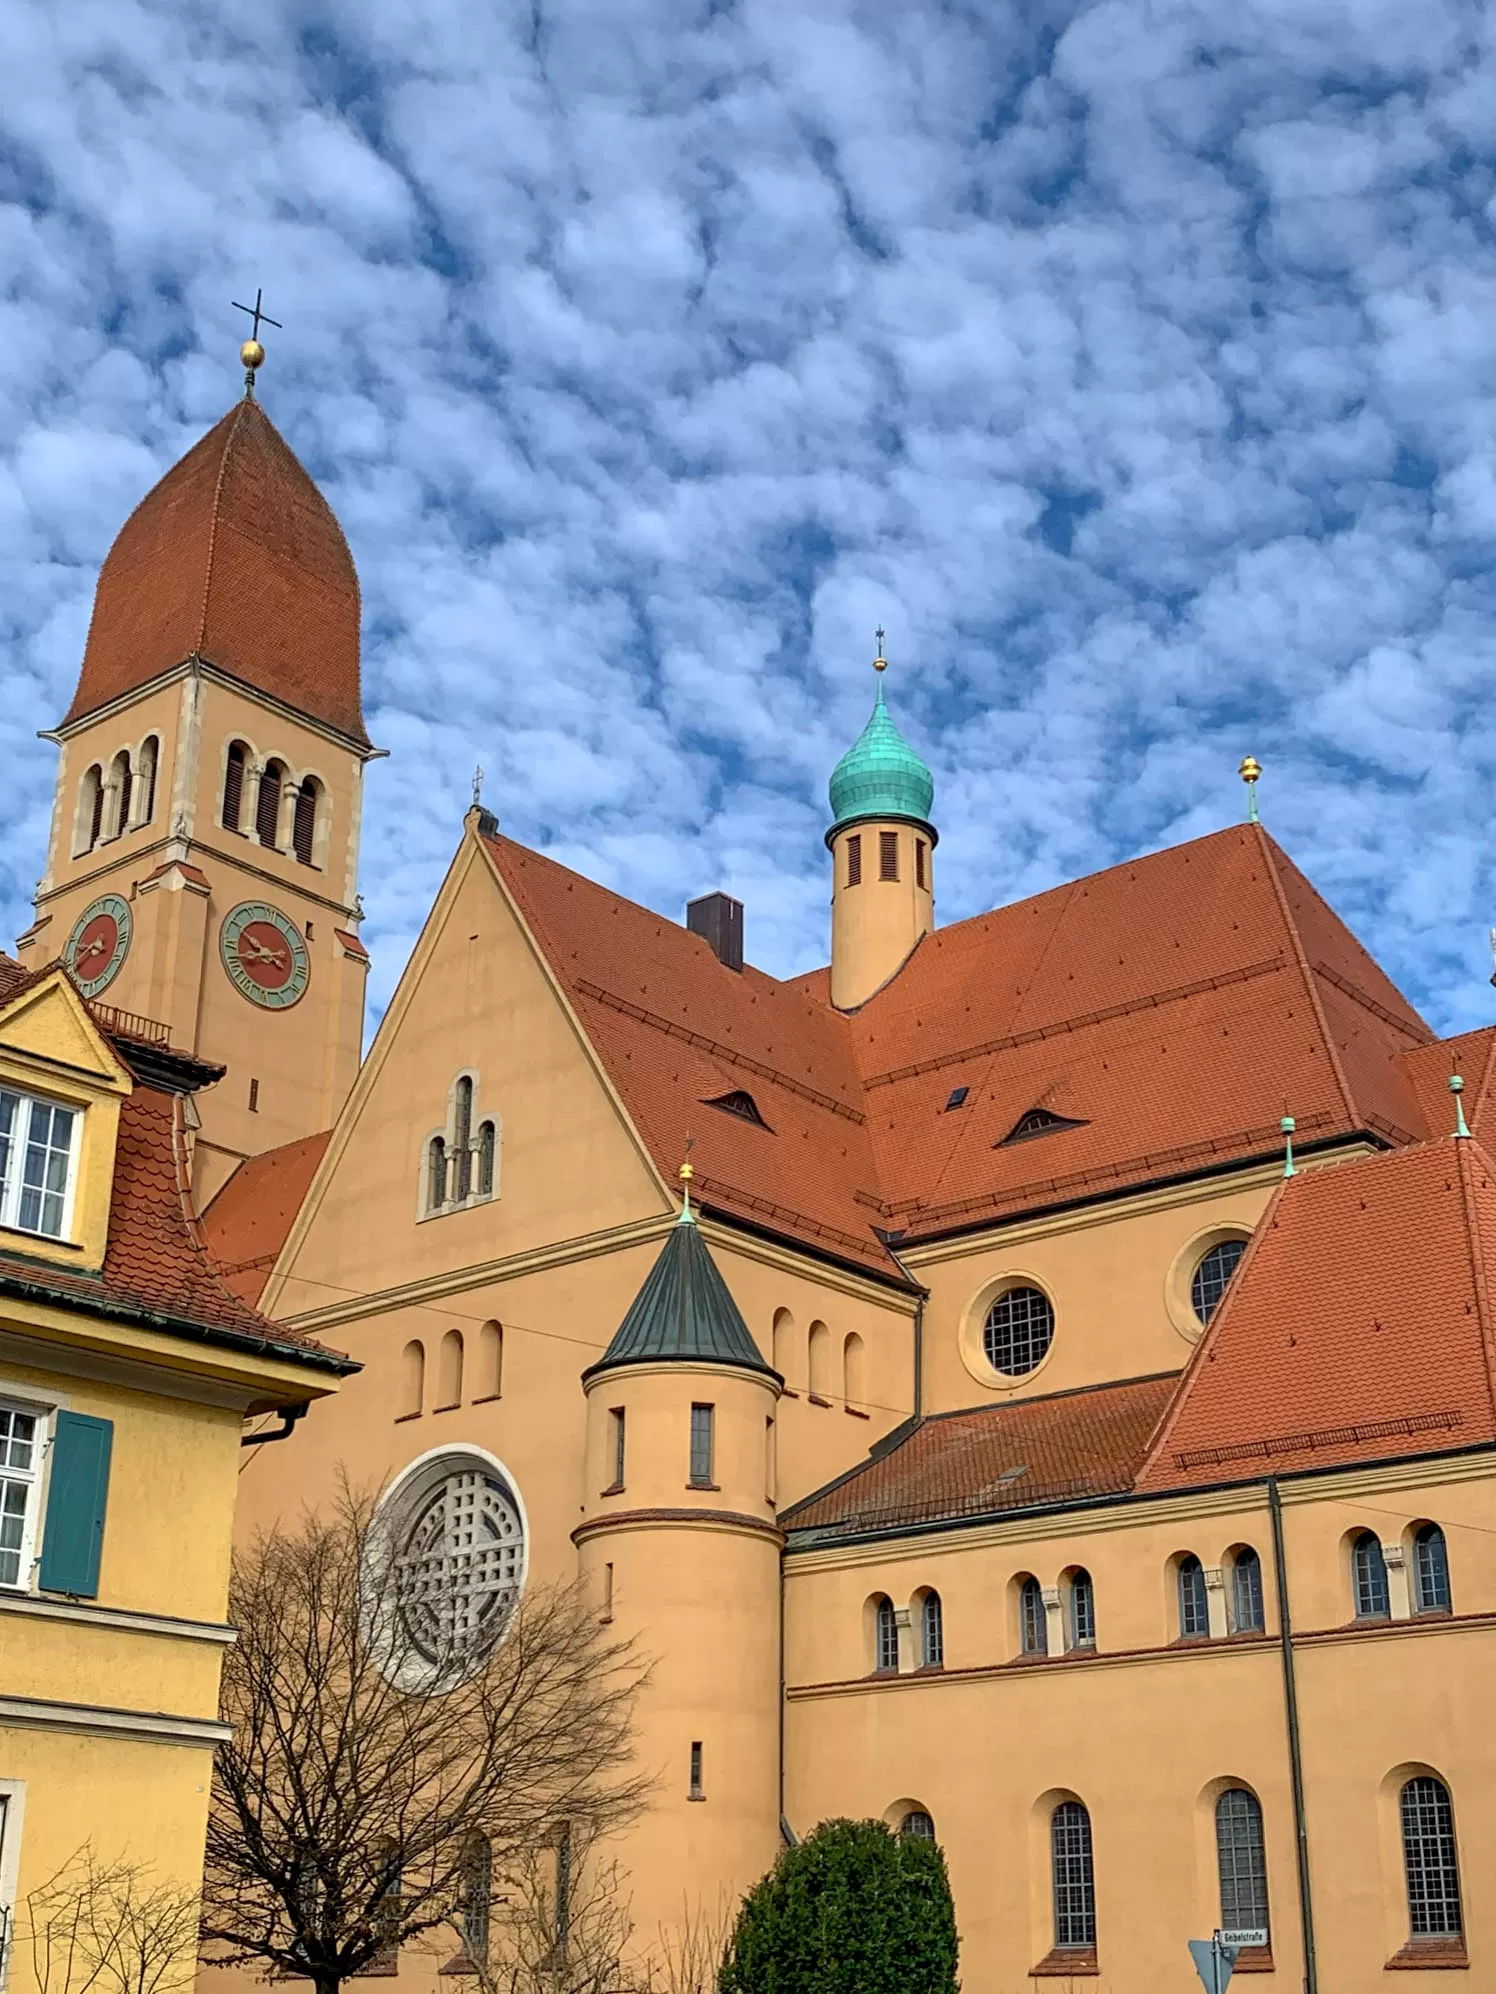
(264, 955)
(99, 943)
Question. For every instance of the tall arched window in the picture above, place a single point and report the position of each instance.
(150, 755)
(1369, 1571)
(1430, 1860)
(1074, 1877)
(90, 808)
(885, 1636)
(1082, 1610)
(820, 1362)
(786, 1351)
(477, 1897)
(233, 785)
(1247, 1615)
(304, 821)
(931, 1632)
(122, 782)
(1194, 1606)
(462, 1139)
(436, 1174)
(412, 1379)
(488, 1151)
(449, 1372)
(491, 1361)
(267, 804)
(1242, 1860)
(1430, 1571)
(1033, 1621)
(854, 1382)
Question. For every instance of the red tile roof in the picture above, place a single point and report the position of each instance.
(1168, 1007)
(234, 557)
(1069, 1447)
(246, 1225)
(1360, 1326)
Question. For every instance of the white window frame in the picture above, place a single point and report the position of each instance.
(10, 1194)
(12, 1820)
(37, 1481)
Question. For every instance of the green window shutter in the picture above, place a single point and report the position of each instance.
(76, 1497)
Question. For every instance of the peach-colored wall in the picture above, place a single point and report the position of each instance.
(875, 923)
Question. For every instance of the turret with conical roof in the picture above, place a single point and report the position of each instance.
(881, 842)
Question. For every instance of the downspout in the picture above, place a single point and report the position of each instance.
(1295, 1752)
(921, 1296)
(786, 1833)
(288, 1415)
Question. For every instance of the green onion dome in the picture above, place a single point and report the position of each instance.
(880, 775)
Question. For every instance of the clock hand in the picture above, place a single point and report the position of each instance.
(95, 947)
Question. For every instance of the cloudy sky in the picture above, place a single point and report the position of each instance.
(1133, 363)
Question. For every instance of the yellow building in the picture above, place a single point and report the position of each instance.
(948, 1464)
(127, 1370)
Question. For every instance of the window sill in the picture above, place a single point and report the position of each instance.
(816, 1399)
(856, 1412)
(706, 1488)
(1255, 1959)
(39, 1242)
(1065, 1961)
(1424, 1955)
(487, 1398)
(454, 1406)
(696, 1796)
(613, 1488)
(459, 1963)
(402, 1417)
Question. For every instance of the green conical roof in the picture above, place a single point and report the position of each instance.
(684, 1311)
(880, 775)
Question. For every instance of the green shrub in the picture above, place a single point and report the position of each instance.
(855, 1909)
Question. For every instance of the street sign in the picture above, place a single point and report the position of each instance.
(1214, 1962)
(1244, 1936)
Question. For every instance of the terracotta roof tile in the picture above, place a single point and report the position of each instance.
(1358, 1326)
(246, 1225)
(234, 557)
(1036, 1453)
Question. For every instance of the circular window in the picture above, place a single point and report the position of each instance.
(449, 1565)
(1213, 1274)
(1018, 1331)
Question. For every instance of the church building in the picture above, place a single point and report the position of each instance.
(1011, 1424)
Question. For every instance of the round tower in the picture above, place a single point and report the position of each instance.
(680, 1548)
(882, 846)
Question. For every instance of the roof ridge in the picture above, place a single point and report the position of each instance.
(1296, 942)
(1048, 1398)
(1466, 1149)
(213, 511)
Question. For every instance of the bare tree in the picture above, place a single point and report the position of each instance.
(558, 1923)
(396, 1707)
(101, 1928)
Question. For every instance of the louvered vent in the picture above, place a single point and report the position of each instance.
(1038, 1121)
(740, 1103)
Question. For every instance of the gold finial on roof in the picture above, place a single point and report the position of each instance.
(880, 663)
(251, 353)
(685, 1174)
(1249, 772)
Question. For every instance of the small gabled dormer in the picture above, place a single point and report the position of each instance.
(61, 1085)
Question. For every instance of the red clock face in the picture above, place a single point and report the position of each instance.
(264, 955)
(97, 941)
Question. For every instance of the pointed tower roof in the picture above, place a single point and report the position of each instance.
(880, 775)
(683, 1312)
(236, 558)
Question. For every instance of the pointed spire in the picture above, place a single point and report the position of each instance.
(685, 1311)
(880, 775)
(1288, 1125)
(1457, 1088)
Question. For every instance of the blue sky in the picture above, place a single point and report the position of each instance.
(1133, 364)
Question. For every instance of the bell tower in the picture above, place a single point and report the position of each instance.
(201, 873)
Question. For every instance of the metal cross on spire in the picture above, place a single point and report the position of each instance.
(880, 663)
(251, 352)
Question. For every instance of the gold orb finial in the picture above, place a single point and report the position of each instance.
(1250, 768)
(252, 354)
(880, 663)
(685, 1173)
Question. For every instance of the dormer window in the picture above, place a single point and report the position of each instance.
(1038, 1121)
(740, 1103)
(37, 1141)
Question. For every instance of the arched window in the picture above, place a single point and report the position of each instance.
(412, 1379)
(233, 785)
(1213, 1275)
(786, 1350)
(488, 1150)
(917, 1826)
(1430, 1860)
(462, 1139)
(1074, 1877)
(1247, 1616)
(304, 821)
(267, 804)
(449, 1372)
(1082, 1610)
(122, 782)
(90, 808)
(436, 1174)
(1430, 1571)
(1241, 1859)
(1369, 1570)
(477, 1897)
(1194, 1606)
(491, 1361)
(931, 1632)
(854, 1384)
(1033, 1621)
(885, 1636)
(820, 1361)
(150, 755)
(1018, 1331)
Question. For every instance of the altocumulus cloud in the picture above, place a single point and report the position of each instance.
(1133, 365)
